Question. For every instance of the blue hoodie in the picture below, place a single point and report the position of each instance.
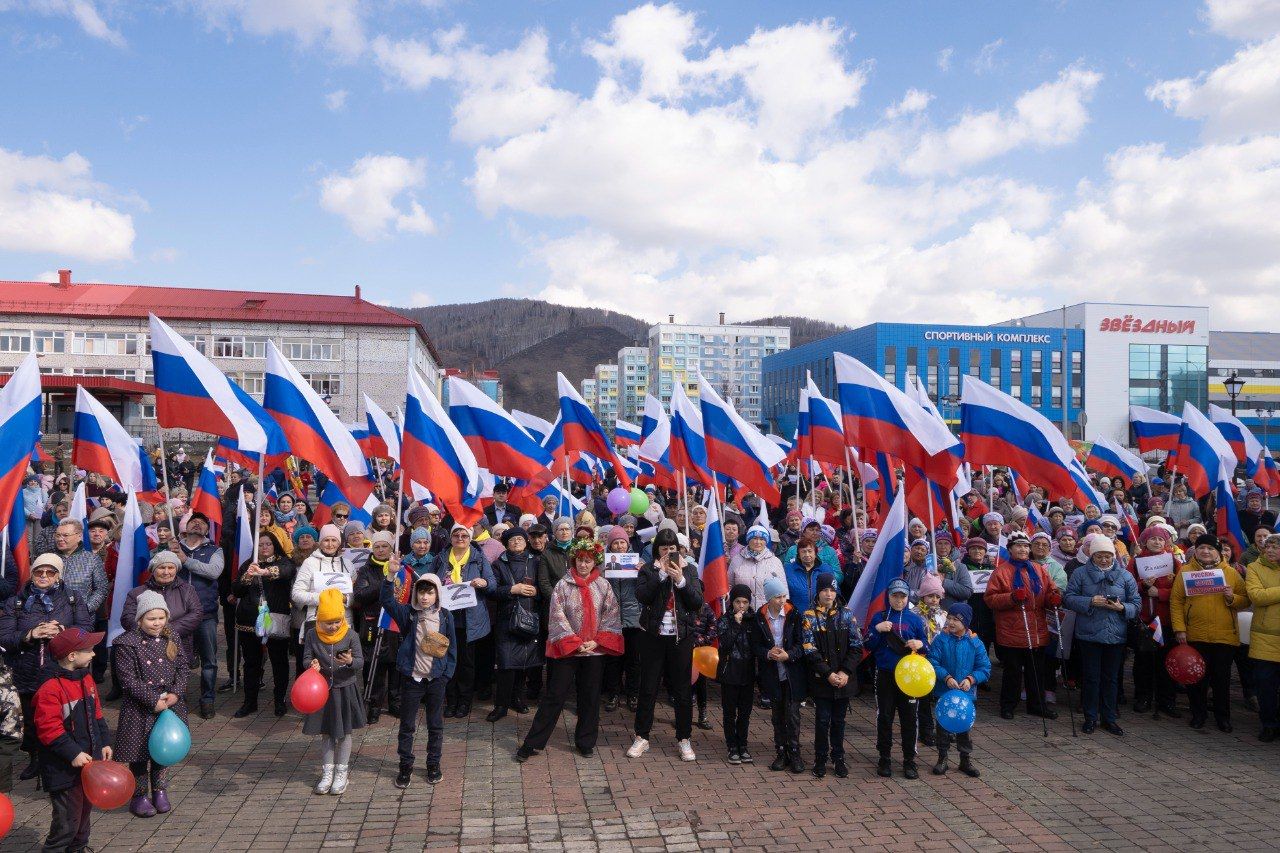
(960, 658)
(906, 624)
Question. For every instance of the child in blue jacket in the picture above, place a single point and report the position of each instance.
(891, 635)
(960, 660)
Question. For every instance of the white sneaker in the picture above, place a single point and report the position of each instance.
(339, 780)
(638, 748)
(686, 751)
(326, 779)
(1051, 697)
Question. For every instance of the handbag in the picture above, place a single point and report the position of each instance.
(279, 626)
(525, 622)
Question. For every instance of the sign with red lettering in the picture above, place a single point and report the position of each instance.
(1136, 325)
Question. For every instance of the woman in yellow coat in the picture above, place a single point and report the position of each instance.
(1263, 584)
(1208, 623)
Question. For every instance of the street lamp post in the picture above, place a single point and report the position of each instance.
(1233, 385)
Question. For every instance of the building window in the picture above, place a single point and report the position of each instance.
(147, 411)
(250, 381)
(326, 383)
(111, 372)
(1165, 377)
(49, 341)
(953, 373)
(200, 342)
(104, 343)
(996, 362)
(891, 365)
(1037, 395)
(311, 349)
(15, 341)
(239, 346)
(1056, 395)
(975, 363)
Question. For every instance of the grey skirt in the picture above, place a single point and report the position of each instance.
(340, 716)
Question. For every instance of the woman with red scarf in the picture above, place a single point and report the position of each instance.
(1151, 681)
(584, 624)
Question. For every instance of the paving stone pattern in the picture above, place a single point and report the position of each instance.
(247, 786)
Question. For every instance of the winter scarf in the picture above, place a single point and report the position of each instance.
(1023, 574)
(40, 596)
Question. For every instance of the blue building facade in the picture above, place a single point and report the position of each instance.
(1025, 362)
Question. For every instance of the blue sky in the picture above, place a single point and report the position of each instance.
(687, 157)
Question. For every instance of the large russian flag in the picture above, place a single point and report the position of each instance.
(333, 495)
(871, 594)
(131, 564)
(999, 430)
(313, 430)
(1107, 457)
(1244, 444)
(497, 440)
(826, 430)
(803, 445)
(688, 451)
(20, 409)
(1154, 429)
(877, 416)
(1204, 456)
(204, 498)
(582, 430)
(18, 545)
(713, 565)
(384, 433)
(625, 433)
(655, 444)
(737, 449)
(1225, 517)
(193, 394)
(534, 425)
(434, 453)
(100, 444)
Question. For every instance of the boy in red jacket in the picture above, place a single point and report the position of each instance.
(72, 732)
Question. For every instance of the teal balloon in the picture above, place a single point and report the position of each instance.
(170, 739)
(955, 711)
(639, 502)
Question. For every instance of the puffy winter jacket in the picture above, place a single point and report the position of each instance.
(476, 567)
(753, 570)
(654, 589)
(889, 646)
(1207, 618)
(739, 649)
(960, 658)
(1262, 582)
(1011, 630)
(22, 613)
(1097, 624)
(832, 643)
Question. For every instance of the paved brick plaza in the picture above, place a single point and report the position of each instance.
(247, 786)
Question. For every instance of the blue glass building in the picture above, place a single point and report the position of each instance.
(1025, 362)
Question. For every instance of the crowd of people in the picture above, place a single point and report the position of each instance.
(413, 611)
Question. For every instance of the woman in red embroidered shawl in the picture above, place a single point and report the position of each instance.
(584, 625)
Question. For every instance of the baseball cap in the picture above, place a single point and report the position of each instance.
(74, 640)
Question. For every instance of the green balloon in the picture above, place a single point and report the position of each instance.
(639, 502)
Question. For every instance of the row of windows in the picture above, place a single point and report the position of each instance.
(132, 343)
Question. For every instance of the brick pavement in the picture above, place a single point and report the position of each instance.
(247, 786)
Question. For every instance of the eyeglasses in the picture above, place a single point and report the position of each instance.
(336, 515)
(44, 573)
(461, 535)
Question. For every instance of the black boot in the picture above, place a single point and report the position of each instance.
(374, 713)
(909, 770)
(966, 766)
(797, 763)
(249, 707)
(30, 771)
(940, 768)
(779, 763)
(703, 722)
(884, 767)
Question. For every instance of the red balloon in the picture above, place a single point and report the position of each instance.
(309, 693)
(6, 815)
(1185, 665)
(107, 784)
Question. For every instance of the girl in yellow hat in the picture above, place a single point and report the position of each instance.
(334, 650)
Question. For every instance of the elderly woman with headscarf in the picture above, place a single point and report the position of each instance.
(286, 514)
(185, 612)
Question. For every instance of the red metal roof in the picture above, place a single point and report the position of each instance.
(63, 382)
(133, 301)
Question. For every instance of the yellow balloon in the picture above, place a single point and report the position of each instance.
(705, 660)
(915, 676)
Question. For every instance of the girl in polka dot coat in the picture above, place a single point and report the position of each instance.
(152, 669)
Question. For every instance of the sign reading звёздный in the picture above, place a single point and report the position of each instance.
(1136, 325)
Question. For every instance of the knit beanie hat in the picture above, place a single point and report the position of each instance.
(930, 585)
(330, 531)
(757, 531)
(420, 534)
(418, 513)
(773, 587)
(151, 600)
(963, 612)
(383, 536)
(162, 557)
(514, 533)
(625, 519)
(740, 590)
(351, 527)
(331, 607)
(616, 532)
(826, 580)
(305, 530)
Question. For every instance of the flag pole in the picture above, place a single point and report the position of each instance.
(257, 501)
(4, 549)
(164, 472)
(853, 497)
(933, 530)
(399, 508)
(684, 500)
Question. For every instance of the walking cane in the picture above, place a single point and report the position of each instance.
(1035, 677)
(1066, 682)
(235, 662)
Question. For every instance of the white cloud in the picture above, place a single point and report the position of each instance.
(83, 12)
(986, 60)
(54, 206)
(336, 100)
(366, 196)
(418, 299)
(914, 101)
(653, 40)
(1051, 114)
(943, 59)
(1246, 20)
(1235, 99)
(336, 24)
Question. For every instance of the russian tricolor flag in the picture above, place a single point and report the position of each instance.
(20, 408)
(16, 539)
(1204, 456)
(713, 565)
(625, 433)
(737, 449)
(1154, 429)
(131, 564)
(435, 454)
(655, 444)
(312, 429)
(204, 498)
(999, 430)
(534, 425)
(1225, 516)
(871, 595)
(384, 434)
(1107, 457)
(826, 430)
(1243, 443)
(582, 430)
(688, 450)
(100, 444)
(191, 393)
(333, 495)
(497, 440)
(877, 416)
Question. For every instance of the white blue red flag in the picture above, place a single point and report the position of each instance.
(625, 433)
(735, 448)
(582, 430)
(688, 450)
(1154, 429)
(713, 565)
(101, 445)
(384, 433)
(131, 564)
(1107, 457)
(204, 497)
(497, 441)
(871, 594)
(534, 425)
(1204, 456)
(826, 428)
(20, 409)
(435, 454)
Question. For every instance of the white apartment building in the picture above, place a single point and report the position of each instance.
(633, 382)
(606, 405)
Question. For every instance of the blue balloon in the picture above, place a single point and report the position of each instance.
(170, 739)
(955, 711)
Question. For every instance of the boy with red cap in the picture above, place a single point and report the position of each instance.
(72, 732)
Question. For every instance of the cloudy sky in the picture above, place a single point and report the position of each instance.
(929, 161)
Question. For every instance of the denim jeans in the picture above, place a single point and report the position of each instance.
(206, 642)
(1101, 663)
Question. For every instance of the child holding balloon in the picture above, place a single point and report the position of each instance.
(961, 663)
(152, 670)
(893, 634)
(68, 742)
(333, 650)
